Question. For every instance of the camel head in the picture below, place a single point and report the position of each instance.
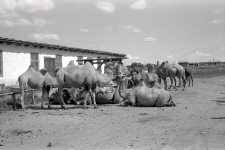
(162, 70)
(117, 68)
(104, 79)
(123, 83)
(56, 70)
(150, 68)
(135, 76)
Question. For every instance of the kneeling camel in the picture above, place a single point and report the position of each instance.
(142, 95)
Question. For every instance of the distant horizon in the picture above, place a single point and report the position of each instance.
(181, 62)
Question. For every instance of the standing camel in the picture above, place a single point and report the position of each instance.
(189, 76)
(171, 70)
(82, 76)
(36, 80)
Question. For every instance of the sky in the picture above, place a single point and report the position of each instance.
(146, 31)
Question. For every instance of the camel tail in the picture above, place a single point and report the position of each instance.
(21, 86)
(17, 80)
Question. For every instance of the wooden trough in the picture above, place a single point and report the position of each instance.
(14, 90)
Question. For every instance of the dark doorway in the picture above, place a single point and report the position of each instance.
(50, 65)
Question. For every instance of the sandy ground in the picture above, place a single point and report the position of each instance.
(196, 123)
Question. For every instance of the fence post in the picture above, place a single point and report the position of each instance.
(14, 100)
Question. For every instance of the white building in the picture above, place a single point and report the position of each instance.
(16, 56)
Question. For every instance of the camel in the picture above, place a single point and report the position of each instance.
(110, 93)
(137, 75)
(82, 76)
(142, 95)
(151, 78)
(36, 80)
(171, 70)
(189, 76)
(107, 94)
(103, 95)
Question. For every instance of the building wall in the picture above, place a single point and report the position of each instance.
(16, 60)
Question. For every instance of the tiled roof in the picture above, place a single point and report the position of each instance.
(50, 46)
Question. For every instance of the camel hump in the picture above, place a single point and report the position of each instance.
(71, 62)
(30, 67)
(88, 64)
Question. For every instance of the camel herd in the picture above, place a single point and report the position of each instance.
(118, 84)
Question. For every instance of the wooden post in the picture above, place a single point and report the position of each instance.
(14, 100)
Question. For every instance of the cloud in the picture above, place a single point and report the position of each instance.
(170, 56)
(218, 10)
(105, 6)
(84, 30)
(7, 14)
(150, 39)
(191, 2)
(136, 30)
(138, 5)
(29, 6)
(133, 57)
(41, 37)
(217, 21)
(199, 54)
(130, 28)
(37, 22)
(223, 47)
(10, 16)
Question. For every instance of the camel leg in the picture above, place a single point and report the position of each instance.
(85, 99)
(184, 81)
(60, 94)
(47, 96)
(165, 83)
(171, 80)
(93, 97)
(189, 82)
(22, 99)
(180, 81)
(192, 80)
(43, 97)
(175, 81)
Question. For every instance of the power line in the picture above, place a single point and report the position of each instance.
(199, 47)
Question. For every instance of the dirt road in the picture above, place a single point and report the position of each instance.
(196, 123)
